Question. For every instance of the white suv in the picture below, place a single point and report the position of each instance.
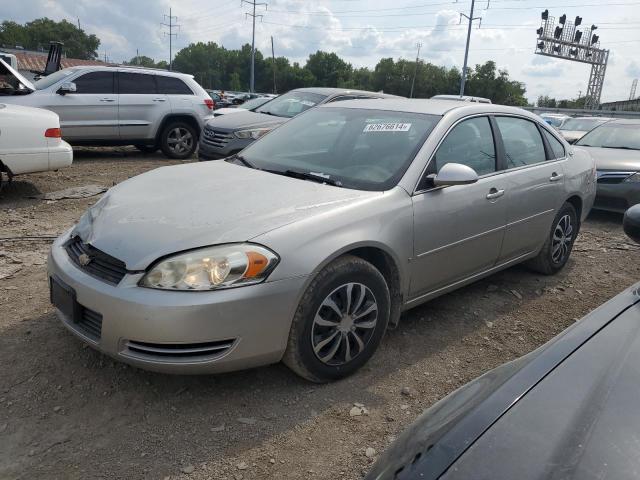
(98, 105)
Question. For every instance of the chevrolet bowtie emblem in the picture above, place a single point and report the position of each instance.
(84, 259)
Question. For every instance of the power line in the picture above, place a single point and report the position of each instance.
(171, 25)
(253, 16)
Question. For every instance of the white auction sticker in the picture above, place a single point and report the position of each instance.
(387, 127)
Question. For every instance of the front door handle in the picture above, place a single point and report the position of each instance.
(494, 193)
(107, 99)
(159, 99)
(555, 177)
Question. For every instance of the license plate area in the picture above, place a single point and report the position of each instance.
(63, 297)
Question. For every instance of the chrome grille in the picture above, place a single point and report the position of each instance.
(216, 138)
(177, 352)
(100, 264)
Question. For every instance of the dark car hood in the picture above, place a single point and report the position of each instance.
(244, 120)
(614, 158)
(554, 413)
(176, 208)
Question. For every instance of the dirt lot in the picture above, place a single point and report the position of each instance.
(67, 411)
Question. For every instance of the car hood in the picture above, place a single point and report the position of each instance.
(176, 208)
(244, 120)
(615, 158)
(7, 69)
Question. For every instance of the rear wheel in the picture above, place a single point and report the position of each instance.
(339, 322)
(178, 140)
(557, 249)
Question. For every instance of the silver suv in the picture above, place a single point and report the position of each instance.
(98, 105)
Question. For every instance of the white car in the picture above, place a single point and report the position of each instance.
(31, 141)
(248, 105)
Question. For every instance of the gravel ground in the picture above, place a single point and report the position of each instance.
(67, 411)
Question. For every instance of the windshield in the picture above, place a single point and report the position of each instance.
(291, 104)
(613, 135)
(582, 124)
(354, 148)
(55, 77)
(255, 103)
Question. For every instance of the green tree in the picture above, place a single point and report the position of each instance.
(37, 34)
(235, 82)
(546, 101)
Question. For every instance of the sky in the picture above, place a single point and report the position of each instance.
(363, 31)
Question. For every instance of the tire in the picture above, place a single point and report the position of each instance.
(368, 292)
(146, 148)
(178, 140)
(556, 251)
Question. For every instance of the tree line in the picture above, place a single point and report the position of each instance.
(215, 66)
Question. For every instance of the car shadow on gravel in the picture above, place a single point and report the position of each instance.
(69, 411)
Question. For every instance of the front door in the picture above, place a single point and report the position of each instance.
(535, 178)
(458, 230)
(91, 112)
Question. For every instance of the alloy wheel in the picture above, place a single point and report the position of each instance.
(179, 140)
(562, 239)
(344, 324)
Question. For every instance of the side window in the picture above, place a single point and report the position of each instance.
(172, 86)
(469, 143)
(95, 82)
(142, 83)
(556, 146)
(522, 141)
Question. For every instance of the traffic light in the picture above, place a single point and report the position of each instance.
(578, 21)
(563, 19)
(545, 15)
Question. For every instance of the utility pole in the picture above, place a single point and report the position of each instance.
(172, 19)
(273, 60)
(79, 24)
(253, 16)
(415, 72)
(137, 57)
(471, 18)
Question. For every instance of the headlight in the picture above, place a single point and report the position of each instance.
(211, 268)
(255, 133)
(635, 178)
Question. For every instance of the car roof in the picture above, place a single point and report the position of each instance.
(427, 106)
(132, 68)
(328, 91)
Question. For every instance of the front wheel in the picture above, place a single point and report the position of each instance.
(339, 322)
(178, 140)
(557, 248)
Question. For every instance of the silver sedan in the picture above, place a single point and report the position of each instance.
(311, 242)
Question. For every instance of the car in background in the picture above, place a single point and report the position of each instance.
(615, 146)
(330, 226)
(573, 129)
(218, 100)
(31, 141)
(228, 134)
(101, 105)
(248, 105)
(556, 120)
(461, 98)
(567, 410)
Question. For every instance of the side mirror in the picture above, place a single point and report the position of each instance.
(454, 174)
(631, 223)
(67, 87)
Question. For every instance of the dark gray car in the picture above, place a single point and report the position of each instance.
(226, 135)
(568, 410)
(615, 146)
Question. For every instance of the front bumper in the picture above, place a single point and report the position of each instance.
(147, 328)
(617, 197)
(221, 144)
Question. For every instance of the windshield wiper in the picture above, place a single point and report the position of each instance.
(314, 177)
(242, 160)
(267, 112)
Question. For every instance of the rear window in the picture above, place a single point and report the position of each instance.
(142, 83)
(172, 86)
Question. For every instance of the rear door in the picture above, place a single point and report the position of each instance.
(458, 229)
(535, 179)
(91, 112)
(141, 106)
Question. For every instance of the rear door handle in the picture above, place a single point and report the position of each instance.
(494, 193)
(159, 99)
(555, 177)
(107, 99)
